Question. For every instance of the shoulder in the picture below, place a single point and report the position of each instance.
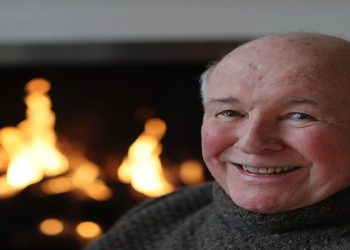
(154, 219)
(182, 199)
(171, 207)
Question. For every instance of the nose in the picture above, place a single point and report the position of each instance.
(257, 137)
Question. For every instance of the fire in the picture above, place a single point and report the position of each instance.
(142, 166)
(30, 153)
(191, 172)
(31, 146)
(88, 229)
(51, 227)
(83, 177)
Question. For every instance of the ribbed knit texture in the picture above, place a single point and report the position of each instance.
(205, 218)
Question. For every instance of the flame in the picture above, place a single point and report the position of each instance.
(88, 230)
(6, 190)
(31, 146)
(29, 153)
(83, 177)
(191, 172)
(51, 226)
(142, 166)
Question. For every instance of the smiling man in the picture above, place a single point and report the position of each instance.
(276, 128)
(276, 138)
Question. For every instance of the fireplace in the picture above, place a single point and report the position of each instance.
(102, 103)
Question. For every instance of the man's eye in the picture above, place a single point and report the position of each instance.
(229, 113)
(301, 116)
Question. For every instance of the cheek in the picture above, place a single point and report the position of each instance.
(312, 145)
(323, 147)
(329, 153)
(215, 139)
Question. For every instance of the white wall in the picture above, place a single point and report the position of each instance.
(64, 21)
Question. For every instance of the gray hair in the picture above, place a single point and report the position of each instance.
(204, 81)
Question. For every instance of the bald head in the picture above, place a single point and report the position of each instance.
(291, 51)
(295, 43)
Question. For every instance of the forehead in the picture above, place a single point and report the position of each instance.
(254, 64)
(254, 74)
(266, 62)
(318, 56)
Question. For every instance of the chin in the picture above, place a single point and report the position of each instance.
(265, 204)
(262, 208)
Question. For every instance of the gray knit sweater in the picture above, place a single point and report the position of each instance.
(205, 218)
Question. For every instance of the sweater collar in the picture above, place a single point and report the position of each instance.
(333, 210)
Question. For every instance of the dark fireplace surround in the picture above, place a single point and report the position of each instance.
(101, 95)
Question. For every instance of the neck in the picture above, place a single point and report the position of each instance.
(333, 210)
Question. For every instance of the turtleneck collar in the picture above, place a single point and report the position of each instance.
(333, 210)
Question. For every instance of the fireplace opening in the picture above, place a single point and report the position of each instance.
(102, 111)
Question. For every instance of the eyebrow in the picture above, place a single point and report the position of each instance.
(302, 101)
(224, 100)
(289, 101)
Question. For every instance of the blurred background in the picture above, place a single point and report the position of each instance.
(100, 105)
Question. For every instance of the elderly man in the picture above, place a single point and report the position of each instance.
(276, 138)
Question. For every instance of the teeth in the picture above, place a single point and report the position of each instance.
(267, 170)
(263, 170)
(278, 170)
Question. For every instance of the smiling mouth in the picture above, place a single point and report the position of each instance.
(268, 170)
